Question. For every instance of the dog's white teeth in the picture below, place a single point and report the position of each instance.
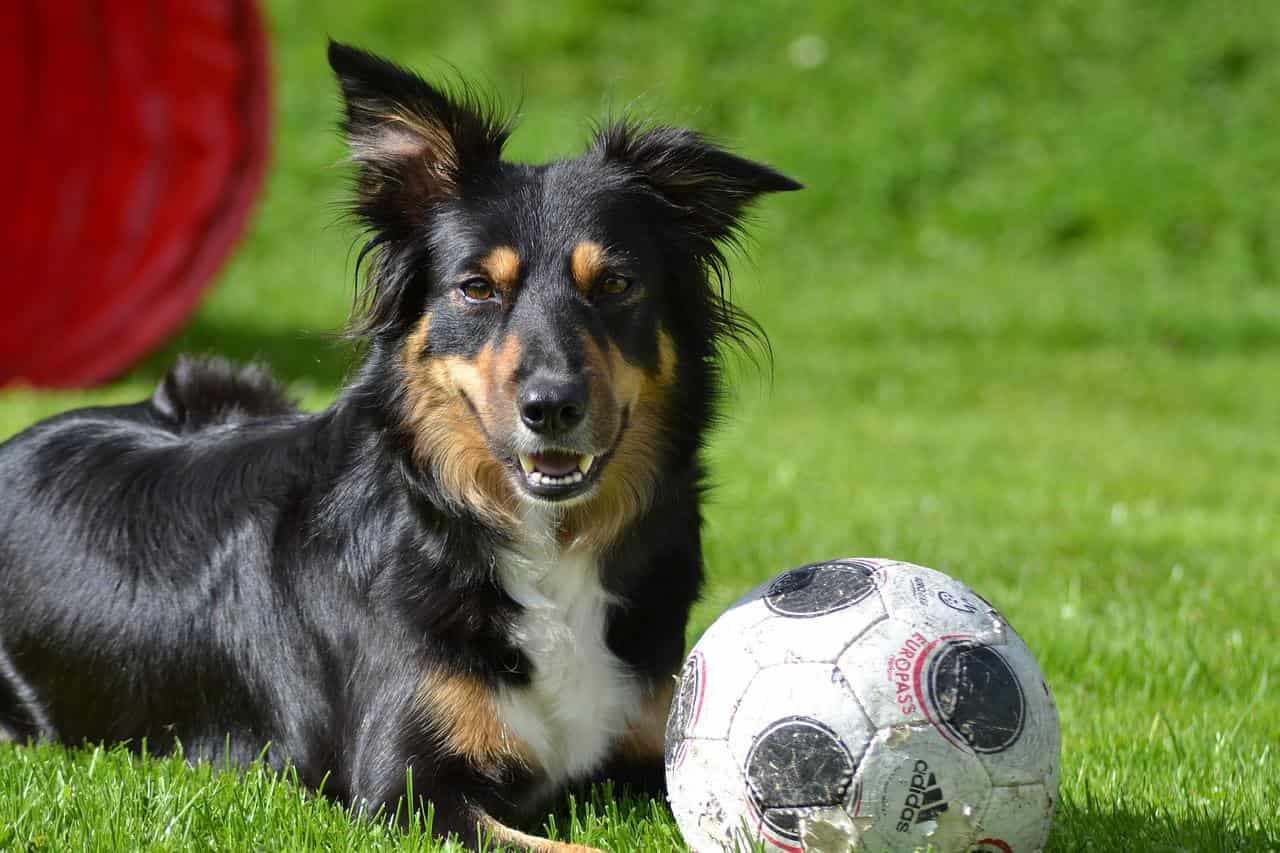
(540, 479)
(536, 477)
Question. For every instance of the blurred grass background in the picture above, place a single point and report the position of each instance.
(1026, 320)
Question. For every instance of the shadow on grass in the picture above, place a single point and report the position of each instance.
(1093, 823)
(613, 816)
(1111, 826)
(321, 359)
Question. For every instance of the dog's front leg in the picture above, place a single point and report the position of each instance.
(637, 761)
(501, 834)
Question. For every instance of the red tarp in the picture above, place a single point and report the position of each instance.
(136, 140)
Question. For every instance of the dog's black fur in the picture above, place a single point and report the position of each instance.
(215, 568)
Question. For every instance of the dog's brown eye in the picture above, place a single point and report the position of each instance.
(614, 285)
(478, 290)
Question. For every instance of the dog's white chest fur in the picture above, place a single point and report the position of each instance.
(581, 696)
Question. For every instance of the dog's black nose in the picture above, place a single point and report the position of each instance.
(553, 405)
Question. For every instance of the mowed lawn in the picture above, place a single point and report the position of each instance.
(1026, 329)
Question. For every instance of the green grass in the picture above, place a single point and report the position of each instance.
(1026, 320)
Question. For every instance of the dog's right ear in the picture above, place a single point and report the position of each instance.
(415, 144)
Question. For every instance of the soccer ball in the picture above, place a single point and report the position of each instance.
(862, 704)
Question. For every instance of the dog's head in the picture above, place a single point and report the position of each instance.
(549, 332)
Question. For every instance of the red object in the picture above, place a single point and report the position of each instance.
(136, 141)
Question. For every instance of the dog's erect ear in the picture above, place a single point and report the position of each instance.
(415, 144)
(712, 187)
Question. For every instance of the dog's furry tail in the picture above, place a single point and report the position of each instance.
(200, 392)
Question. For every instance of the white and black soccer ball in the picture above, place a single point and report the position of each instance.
(863, 704)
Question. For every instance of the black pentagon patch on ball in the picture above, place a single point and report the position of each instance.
(684, 708)
(820, 588)
(977, 696)
(795, 764)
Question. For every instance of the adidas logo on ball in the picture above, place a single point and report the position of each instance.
(924, 798)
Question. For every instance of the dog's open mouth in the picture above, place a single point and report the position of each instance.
(558, 474)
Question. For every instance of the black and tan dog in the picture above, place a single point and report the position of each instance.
(476, 565)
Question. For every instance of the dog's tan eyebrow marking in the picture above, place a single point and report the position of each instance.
(502, 266)
(588, 262)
